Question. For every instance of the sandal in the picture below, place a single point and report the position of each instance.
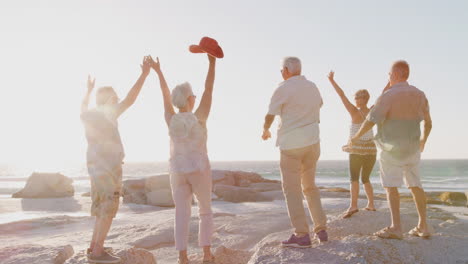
(386, 233)
(417, 232)
(348, 214)
(370, 209)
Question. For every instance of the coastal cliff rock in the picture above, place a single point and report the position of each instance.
(46, 185)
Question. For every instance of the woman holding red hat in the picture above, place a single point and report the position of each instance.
(190, 170)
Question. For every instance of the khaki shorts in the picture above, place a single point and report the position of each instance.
(393, 172)
(105, 191)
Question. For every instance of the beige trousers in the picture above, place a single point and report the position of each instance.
(298, 176)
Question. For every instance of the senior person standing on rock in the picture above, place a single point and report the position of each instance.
(298, 101)
(190, 169)
(398, 114)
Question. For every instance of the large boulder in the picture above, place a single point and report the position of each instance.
(266, 186)
(161, 197)
(46, 185)
(35, 254)
(236, 194)
(158, 182)
(454, 198)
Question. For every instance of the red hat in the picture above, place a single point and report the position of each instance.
(208, 45)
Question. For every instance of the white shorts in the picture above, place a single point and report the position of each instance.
(393, 171)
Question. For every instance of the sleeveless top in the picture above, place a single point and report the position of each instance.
(188, 144)
(365, 145)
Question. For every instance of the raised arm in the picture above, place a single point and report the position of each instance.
(349, 106)
(168, 108)
(85, 103)
(135, 91)
(204, 108)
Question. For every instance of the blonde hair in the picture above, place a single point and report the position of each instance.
(364, 93)
(103, 94)
(180, 94)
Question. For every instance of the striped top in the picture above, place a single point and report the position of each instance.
(365, 145)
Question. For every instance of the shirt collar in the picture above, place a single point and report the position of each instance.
(295, 77)
(400, 85)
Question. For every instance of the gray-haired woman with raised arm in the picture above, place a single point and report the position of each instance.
(190, 169)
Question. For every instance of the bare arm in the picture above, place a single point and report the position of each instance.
(135, 91)
(168, 108)
(349, 106)
(85, 103)
(266, 126)
(427, 129)
(204, 108)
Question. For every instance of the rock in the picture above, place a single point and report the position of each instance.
(136, 256)
(237, 178)
(46, 185)
(239, 194)
(128, 256)
(337, 189)
(222, 177)
(35, 254)
(266, 186)
(134, 184)
(86, 194)
(454, 198)
(138, 197)
(158, 182)
(242, 176)
(162, 197)
(274, 195)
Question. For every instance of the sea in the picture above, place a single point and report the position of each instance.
(437, 175)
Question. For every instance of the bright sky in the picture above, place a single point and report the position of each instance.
(49, 47)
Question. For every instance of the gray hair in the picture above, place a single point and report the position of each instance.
(180, 94)
(293, 64)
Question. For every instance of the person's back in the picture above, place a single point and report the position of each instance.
(302, 105)
(400, 111)
(105, 147)
(188, 144)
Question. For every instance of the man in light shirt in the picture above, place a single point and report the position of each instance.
(297, 101)
(398, 114)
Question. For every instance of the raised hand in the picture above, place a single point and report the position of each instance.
(331, 76)
(146, 65)
(155, 64)
(90, 83)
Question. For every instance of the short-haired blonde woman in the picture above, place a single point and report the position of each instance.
(362, 155)
(190, 169)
